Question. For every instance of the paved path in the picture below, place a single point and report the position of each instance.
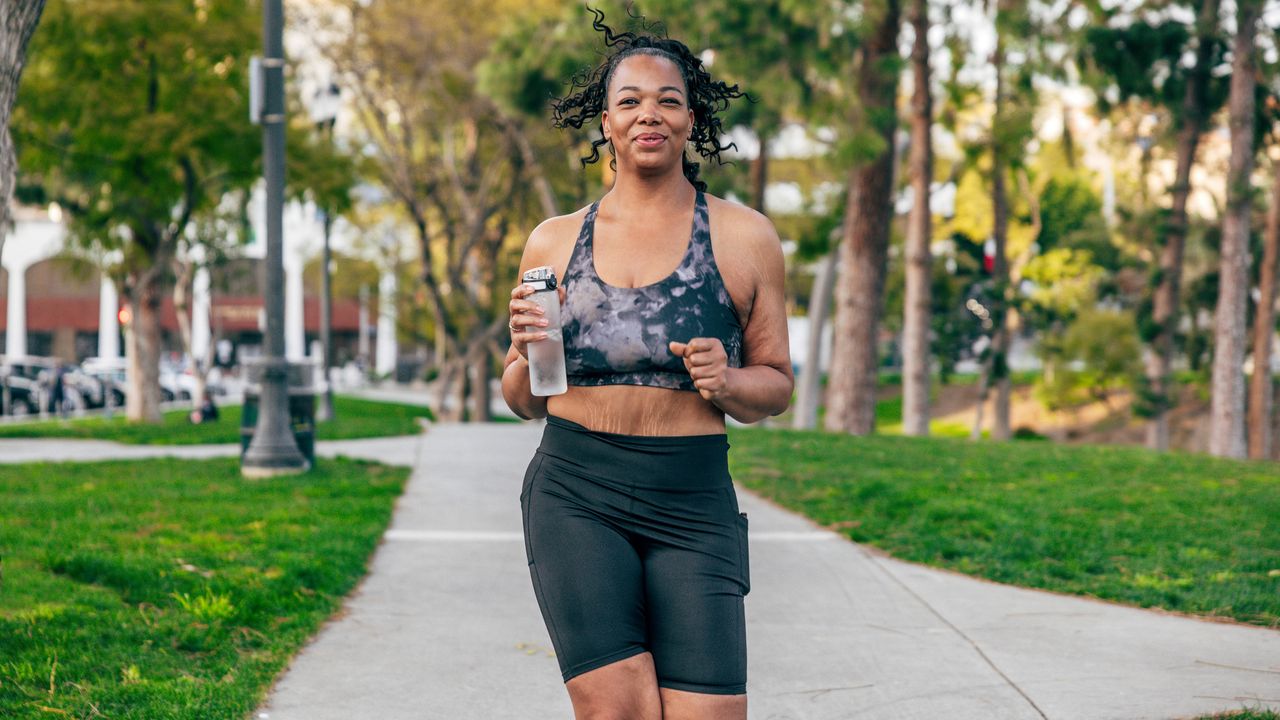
(446, 626)
(393, 450)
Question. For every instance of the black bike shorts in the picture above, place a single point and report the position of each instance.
(635, 544)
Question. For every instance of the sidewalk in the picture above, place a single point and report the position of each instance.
(446, 625)
(390, 450)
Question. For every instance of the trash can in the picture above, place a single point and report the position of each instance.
(302, 407)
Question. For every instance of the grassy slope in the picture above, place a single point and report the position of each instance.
(172, 589)
(1183, 532)
(354, 418)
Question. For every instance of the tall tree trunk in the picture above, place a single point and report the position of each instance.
(1260, 390)
(481, 395)
(446, 411)
(18, 20)
(919, 273)
(143, 401)
(760, 174)
(1165, 307)
(995, 371)
(809, 389)
(1226, 409)
(851, 389)
(182, 289)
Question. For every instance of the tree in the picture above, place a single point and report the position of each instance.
(134, 123)
(1226, 412)
(916, 313)
(1010, 131)
(450, 157)
(1260, 385)
(1141, 59)
(17, 22)
(865, 243)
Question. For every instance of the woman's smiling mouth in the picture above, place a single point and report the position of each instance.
(650, 140)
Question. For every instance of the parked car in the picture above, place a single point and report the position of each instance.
(18, 395)
(115, 371)
(79, 391)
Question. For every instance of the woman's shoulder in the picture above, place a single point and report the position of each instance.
(554, 228)
(552, 237)
(555, 231)
(742, 223)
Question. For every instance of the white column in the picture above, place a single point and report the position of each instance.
(385, 363)
(362, 347)
(15, 337)
(108, 320)
(294, 331)
(201, 301)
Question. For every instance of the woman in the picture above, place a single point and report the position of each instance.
(636, 548)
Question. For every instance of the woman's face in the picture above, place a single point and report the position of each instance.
(647, 115)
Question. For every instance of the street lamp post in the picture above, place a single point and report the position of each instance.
(325, 412)
(273, 450)
(326, 115)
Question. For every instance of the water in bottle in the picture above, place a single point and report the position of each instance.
(546, 357)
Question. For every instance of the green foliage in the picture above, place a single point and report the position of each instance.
(1065, 281)
(135, 114)
(173, 588)
(1098, 354)
(1246, 714)
(1188, 533)
(1071, 216)
(1137, 59)
(953, 327)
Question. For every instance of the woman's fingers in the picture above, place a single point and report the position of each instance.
(699, 351)
(529, 319)
(700, 372)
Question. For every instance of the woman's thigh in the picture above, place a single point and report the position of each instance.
(695, 619)
(586, 575)
(696, 577)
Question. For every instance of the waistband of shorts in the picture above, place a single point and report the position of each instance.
(674, 462)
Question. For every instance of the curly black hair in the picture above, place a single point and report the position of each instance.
(706, 97)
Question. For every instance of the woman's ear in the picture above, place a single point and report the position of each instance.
(604, 125)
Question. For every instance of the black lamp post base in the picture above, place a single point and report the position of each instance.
(263, 461)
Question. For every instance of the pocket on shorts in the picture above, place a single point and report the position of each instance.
(529, 475)
(529, 472)
(744, 555)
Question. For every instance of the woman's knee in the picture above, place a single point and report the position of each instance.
(684, 705)
(622, 690)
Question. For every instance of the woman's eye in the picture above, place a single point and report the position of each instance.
(671, 101)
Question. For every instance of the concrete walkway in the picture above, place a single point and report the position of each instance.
(392, 450)
(446, 625)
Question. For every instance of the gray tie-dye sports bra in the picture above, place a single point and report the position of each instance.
(618, 336)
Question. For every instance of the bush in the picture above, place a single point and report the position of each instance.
(1098, 354)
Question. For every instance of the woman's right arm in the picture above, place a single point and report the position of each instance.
(525, 320)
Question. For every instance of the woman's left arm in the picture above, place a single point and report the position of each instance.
(763, 385)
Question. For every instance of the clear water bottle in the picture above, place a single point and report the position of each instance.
(546, 357)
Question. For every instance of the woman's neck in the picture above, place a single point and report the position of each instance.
(649, 193)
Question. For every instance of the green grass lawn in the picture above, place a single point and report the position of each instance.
(172, 588)
(353, 418)
(1184, 532)
(889, 420)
